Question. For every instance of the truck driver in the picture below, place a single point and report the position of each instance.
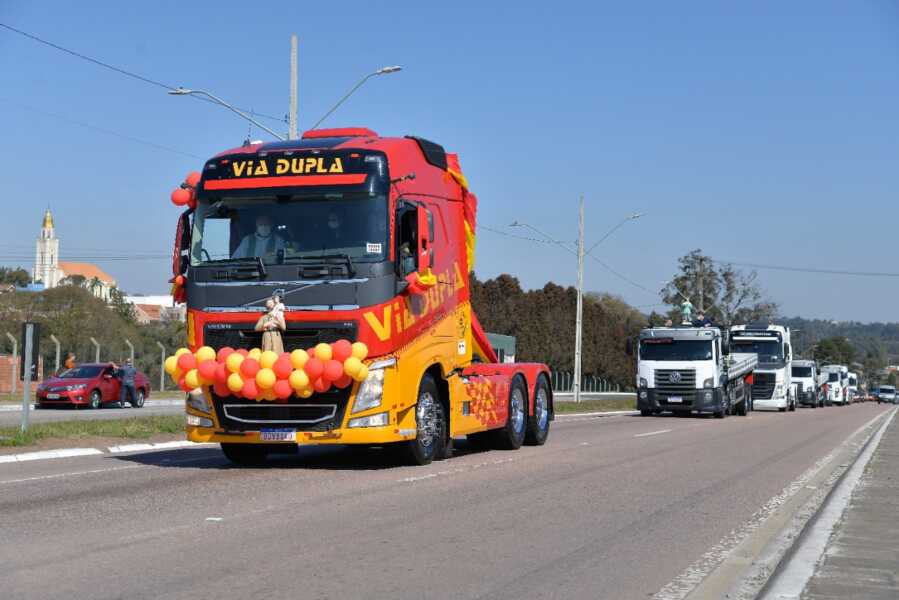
(263, 241)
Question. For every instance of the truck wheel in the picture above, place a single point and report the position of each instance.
(245, 455)
(723, 409)
(511, 435)
(430, 425)
(538, 424)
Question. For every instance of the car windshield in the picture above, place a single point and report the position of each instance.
(833, 377)
(767, 350)
(802, 371)
(288, 228)
(81, 373)
(669, 349)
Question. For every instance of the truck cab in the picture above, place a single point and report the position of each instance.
(772, 383)
(688, 370)
(837, 384)
(805, 383)
(853, 387)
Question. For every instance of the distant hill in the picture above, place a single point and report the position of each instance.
(865, 337)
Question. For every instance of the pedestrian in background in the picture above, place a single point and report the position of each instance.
(126, 375)
(70, 361)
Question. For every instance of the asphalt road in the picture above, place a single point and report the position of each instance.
(151, 408)
(609, 508)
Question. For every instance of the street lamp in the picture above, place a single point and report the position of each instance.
(381, 71)
(578, 322)
(186, 92)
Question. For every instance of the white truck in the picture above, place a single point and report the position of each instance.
(689, 370)
(853, 387)
(804, 378)
(837, 384)
(772, 383)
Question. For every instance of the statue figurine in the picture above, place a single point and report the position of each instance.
(271, 324)
(687, 311)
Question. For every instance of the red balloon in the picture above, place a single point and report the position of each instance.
(341, 350)
(314, 368)
(282, 389)
(180, 197)
(283, 368)
(321, 385)
(207, 369)
(343, 382)
(224, 353)
(192, 179)
(186, 362)
(183, 385)
(250, 391)
(221, 390)
(333, 370)
(249, 367)
(221, 373)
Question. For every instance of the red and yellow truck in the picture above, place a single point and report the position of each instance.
(366, 239)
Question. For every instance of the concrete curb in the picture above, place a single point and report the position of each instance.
(75, 452)
(147, 404)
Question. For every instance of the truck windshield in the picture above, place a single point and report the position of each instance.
(802, 371)
(887, 389)
(768, 351)
(662, 349)
(833, 377)
(289, 228)
(853, 381)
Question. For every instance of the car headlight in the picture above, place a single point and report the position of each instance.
(196, 400)
(643, 382)
(709, 383)
(370, 392)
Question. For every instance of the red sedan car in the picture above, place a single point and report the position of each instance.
(92, 384)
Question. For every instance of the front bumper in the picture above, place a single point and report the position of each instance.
(65, 398)
(807, 399)
(702, 401)
(772, 403)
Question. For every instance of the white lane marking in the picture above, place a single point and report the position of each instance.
(682, 585)
(567, 417)
(94, 471)
(215, 519)
(45, 454)
(659, 432)
(157, 446)
(793, 578)
(456, 470)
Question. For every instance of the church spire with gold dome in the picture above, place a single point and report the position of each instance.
(48, 220)
(46, 260)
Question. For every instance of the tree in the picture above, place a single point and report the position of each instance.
(17, 277)
(727, 296)
(835, 350)
(74, 280)
(121, 306)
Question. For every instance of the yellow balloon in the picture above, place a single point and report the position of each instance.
(235, 382)
(298, 380)
(267, 395)
(171, 365)
(254, 353)
(323, 351)
(351, 366)
(298, 359)
(192, 379)
(267, 359)
(176, 376)
(265, 379)
(306, 393)
(205, 353)
(362, 374)
(180, 351)
(360, 350)
(233, 362)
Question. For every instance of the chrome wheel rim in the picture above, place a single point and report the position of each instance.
(516, 410)
(541, 408)
(426, 419)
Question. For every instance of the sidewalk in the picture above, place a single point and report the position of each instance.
(862, 557)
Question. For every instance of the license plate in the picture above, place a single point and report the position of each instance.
(675, 400)
(52, 396)
(278, 435)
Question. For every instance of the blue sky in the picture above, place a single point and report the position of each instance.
(762, 132)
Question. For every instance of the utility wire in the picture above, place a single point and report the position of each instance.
(807, 269)
(512, 235)
(117, 134)
(120, 70)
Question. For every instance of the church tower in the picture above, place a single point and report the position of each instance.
(46, 262)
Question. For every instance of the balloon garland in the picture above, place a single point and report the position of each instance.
(257, 375)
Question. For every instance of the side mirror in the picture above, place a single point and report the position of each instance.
(182, 244)
(725, 345)
(629, 347)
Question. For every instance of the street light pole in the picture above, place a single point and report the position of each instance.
(381, 71)
(579, 325)
(186, 92)
(292, 115)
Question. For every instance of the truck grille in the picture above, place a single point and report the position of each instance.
(763, 386)
(298, 335)
(319, 412)
(676, 382)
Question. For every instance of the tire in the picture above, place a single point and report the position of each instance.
(139, 398)
(511, 435)
(724, 408)
(245, 455)
(538, 423)
(95, 400)
(783, 409)
(430, 424)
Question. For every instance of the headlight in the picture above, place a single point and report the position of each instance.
(707, 395)
(709, 383)
(370, 392)
(196, 400)
(378, 420)
(643, 382)
(779, 389)
(195, 421)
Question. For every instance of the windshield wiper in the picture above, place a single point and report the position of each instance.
(351, 269)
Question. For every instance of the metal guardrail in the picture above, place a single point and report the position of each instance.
(563, 381)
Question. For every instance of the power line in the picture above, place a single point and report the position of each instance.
(119, 70)
(512, 235)
(807, 269)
